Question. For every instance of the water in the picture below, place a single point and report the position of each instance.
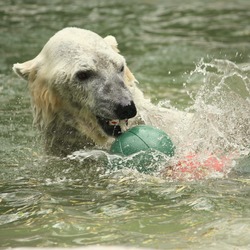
(194, 54)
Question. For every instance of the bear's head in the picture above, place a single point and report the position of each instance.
(80, 78)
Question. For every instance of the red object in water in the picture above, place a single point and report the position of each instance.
(192, 168)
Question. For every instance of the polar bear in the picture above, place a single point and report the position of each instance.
(83, 94)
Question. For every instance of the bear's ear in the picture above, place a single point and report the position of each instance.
(24, 70)
(112, 42)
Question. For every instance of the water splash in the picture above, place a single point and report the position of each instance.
(218, 133)
(221, 107)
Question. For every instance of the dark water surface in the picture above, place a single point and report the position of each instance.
(46, 201)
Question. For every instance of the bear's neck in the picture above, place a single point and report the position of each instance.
(62, 139)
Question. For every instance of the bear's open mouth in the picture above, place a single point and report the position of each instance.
(112, 127)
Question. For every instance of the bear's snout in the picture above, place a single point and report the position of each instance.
(125, 111)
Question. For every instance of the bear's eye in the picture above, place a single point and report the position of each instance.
(84, 74)
(122, 68)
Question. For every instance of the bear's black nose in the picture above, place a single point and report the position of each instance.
(125, 112)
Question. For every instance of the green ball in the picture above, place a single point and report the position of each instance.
(142, 138)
